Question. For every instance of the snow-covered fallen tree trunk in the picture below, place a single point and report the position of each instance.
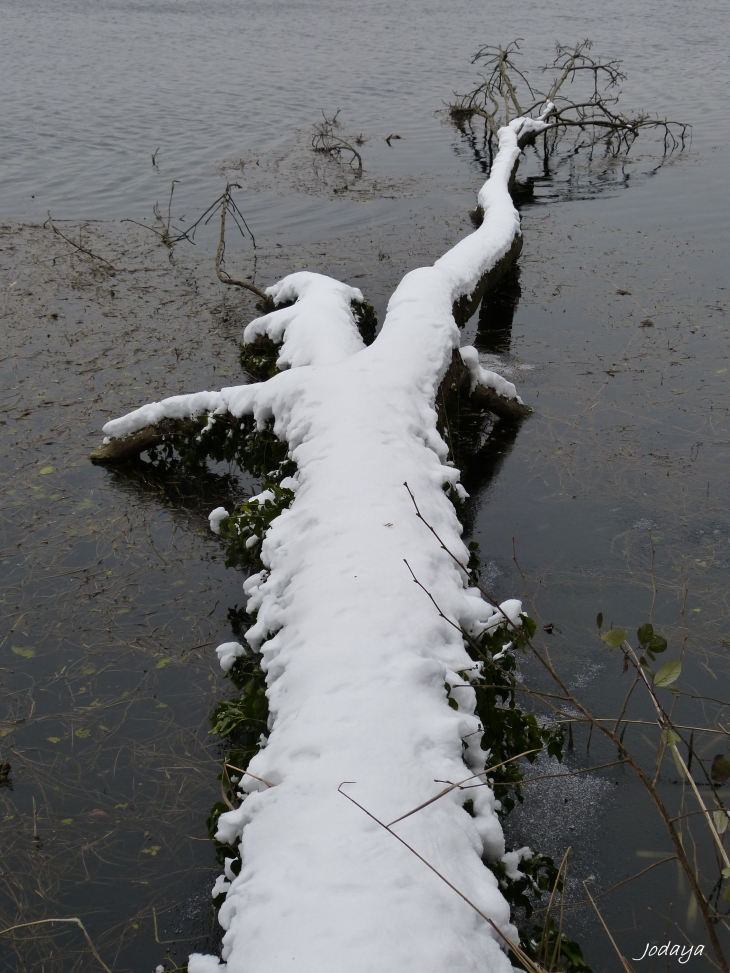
(356, 656)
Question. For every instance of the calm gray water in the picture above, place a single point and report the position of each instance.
(90, 91)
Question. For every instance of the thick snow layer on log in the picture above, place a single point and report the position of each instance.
(356, 655)
(318, 329)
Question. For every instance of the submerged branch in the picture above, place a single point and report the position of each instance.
(129, 447)
(78, 246)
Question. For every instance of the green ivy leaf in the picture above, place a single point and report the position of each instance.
(615, 637)
(529, 626)
(668, 673)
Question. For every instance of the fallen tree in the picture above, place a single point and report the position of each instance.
(371, 693)
(356, 663)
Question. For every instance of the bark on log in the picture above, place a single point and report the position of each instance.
(130, 447)
(456, 383)
(489, 400)
(467, 305)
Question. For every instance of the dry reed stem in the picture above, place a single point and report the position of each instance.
(78, 922)
(624, 962)
(618, 885)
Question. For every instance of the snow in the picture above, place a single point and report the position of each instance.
(228, 652)
(215, 517)
(512, 860)
(484, 377)
(355, 654)
(319, 329)
(198, 963)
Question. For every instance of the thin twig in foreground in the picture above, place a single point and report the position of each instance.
(249, 774)
(624, 962)
(452, 787)
(519, 953)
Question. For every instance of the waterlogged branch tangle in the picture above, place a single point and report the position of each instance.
(364, 681)
(590, 111)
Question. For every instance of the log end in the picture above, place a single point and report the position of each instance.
(511, 410)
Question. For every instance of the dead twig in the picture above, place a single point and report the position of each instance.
(452, 787)
(328, 142)
(531, 966)
(228, 206)
(78, 246)
(624, 962)
(590, 112)
(78, 922)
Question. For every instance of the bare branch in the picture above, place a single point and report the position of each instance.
(228, 205)
(77, 246)
(328, 142)
(593, 115)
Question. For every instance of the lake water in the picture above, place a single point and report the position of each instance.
(114, 593)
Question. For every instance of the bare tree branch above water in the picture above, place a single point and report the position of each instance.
(590, 114)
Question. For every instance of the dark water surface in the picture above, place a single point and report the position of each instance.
(114, 592)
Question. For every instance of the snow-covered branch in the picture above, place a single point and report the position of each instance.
(356, 659)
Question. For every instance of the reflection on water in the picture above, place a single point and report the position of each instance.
(114, 592)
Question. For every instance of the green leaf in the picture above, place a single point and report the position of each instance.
(726, 894)
(162, 663)
(46, 469)
(645, 633)
(53, 739)
(668, 673)
(670, 737)
(26, 651)
(615, 637)
(720, 770)
(726, 873)
(657, 644)
(83, 732)
(529, 626)
(720, 819)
